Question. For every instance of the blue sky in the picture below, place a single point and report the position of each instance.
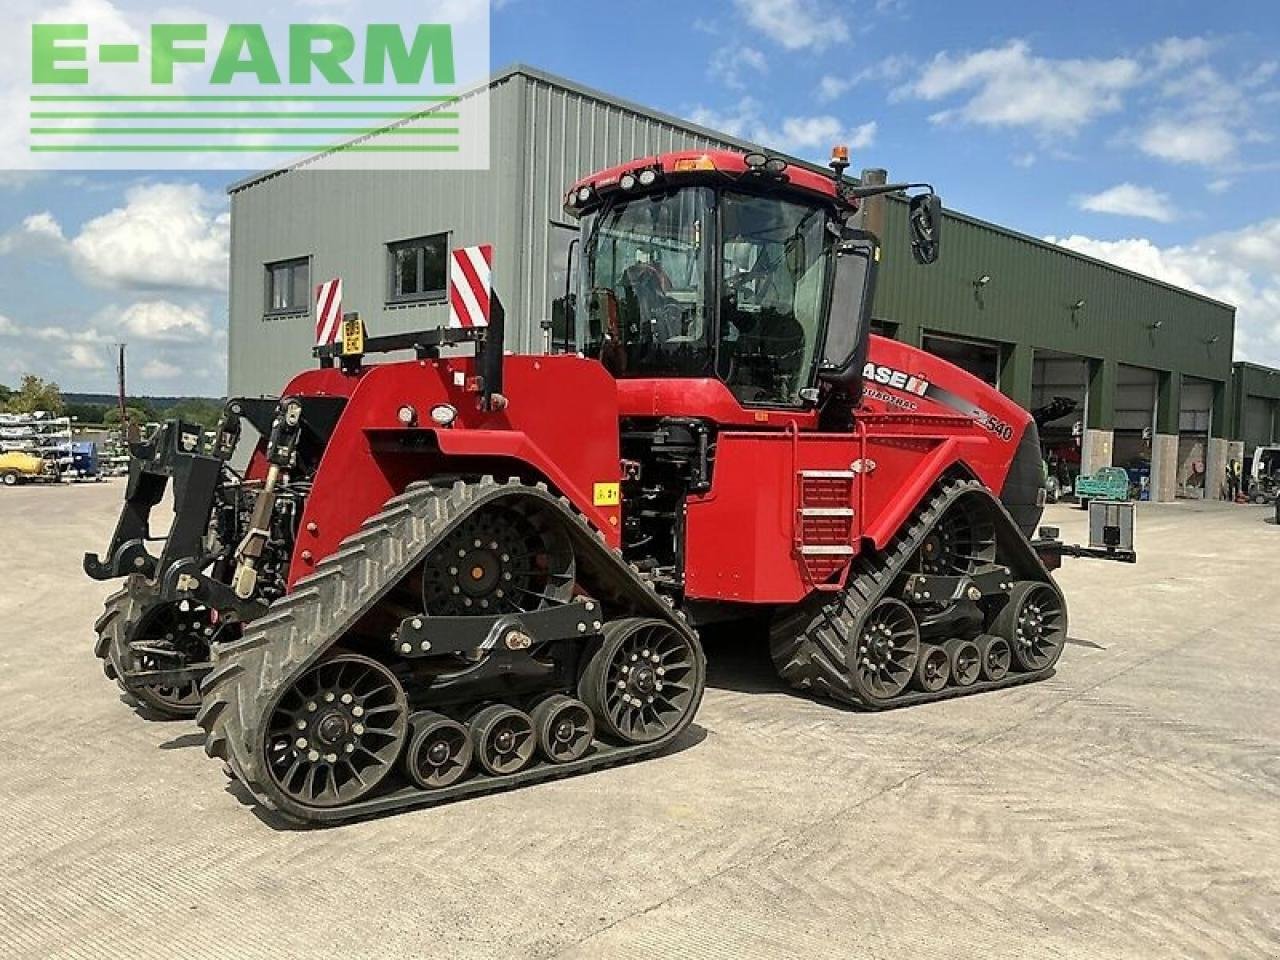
(1144, 133)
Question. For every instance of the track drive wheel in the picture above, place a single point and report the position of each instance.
(966, 661)
(996, 656)
(642, 681)
(336, 733)
(933, 668)
(503, 740)
(439, 751)
(564, 728)
(887, 652)
(167, 634)
(1034, 622)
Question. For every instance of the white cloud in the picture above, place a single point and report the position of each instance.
(84, 356)
(1009, 86)
(1173, 52)
(161, 369)
(1205, 142)
(796, 24)
(795, 134)
(166, 236)
(160, 320)
(735, 66)
(1240, 267)
(831, 87)
(1221, 185)
(43, 225)
(7, 327)
(1131, 200)
(16, 180)
(1025, 160)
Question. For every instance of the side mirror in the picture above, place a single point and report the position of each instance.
(925, 219)
(844, 344)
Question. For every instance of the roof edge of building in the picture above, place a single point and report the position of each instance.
(519, 69)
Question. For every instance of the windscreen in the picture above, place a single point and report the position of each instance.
(773, 287)
(644, 300)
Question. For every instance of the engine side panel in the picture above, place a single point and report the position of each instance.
(560, 425)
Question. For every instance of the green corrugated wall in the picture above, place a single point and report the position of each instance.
(1027, 305)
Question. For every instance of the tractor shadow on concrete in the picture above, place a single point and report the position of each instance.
(738, 658)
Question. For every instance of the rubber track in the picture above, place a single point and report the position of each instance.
(809, 644)
(251, 673)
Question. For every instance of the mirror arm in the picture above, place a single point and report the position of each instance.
(860, 193)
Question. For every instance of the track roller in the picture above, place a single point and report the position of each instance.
(642, 681)
(933, 668)
(439, 751)
(1034, 622)
(502, 738)
(966, 661)
(564, 728)
(996, 656)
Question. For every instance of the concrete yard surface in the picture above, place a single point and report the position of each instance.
(1127, 807)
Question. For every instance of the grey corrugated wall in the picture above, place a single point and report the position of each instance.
(543, 137)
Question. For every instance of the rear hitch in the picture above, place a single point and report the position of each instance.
(1111, 536)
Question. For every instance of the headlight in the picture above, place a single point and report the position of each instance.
(584, 194)
(444, 414)
(648, 177)
(628, 181)
(407, 415)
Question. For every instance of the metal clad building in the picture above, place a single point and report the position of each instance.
(1149, 364)
(1255, 396)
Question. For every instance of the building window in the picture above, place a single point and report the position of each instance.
(418, 269)
(289, 286)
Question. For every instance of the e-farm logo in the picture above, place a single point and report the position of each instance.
(251, 94)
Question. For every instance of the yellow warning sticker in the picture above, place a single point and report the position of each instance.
(352, 335)
(607, 494)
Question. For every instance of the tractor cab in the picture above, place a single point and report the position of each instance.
(737, 276)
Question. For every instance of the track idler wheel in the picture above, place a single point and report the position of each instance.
(337, 732)
(439, 751)
(996, 656)
(966, 661)
(933, 668)
(1034, 622)
(887, 652)
(502, 738)
(564, 728)
(642, 681)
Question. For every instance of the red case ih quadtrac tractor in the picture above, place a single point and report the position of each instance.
(451, 574)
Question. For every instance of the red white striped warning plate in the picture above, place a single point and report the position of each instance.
(328, 312)
(470, 279)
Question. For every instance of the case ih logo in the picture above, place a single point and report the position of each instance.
(895, 379)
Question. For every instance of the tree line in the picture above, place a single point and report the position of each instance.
(35, 393)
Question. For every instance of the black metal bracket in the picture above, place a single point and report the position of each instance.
(987, 581)
(1056, 549)
(426, 344)
(183, 580)
(174, 451)
(428, 636)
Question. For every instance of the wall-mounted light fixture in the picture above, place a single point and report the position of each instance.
(982, 281)
(1155, 325)
(1212, 340)
(1078, 305)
